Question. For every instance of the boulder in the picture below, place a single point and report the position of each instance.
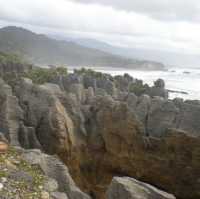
(129, 188)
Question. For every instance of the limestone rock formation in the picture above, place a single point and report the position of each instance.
(158, 89)
(10, 114)
(44, 112)
(129, 188)
(119, 146)
(115, 116)
(55, 169)
(161, 116)
(101, 127)
(33, 174)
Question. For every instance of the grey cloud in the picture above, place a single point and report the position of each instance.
(181, 10)
(104, 22)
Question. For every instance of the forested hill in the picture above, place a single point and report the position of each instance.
(40, 49)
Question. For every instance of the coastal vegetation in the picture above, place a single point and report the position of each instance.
(9, 58)
(42, 75)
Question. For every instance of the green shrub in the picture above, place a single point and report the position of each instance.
(89, 72)
(61, 70)
(43, 75)
(138, 88)
(6, 59)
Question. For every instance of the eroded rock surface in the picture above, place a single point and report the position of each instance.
(55, 169)
(33, 174)
(103, 126)
(129, 188)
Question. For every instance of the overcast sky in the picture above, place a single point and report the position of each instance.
(171, 25)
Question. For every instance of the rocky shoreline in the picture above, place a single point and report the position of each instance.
(103, 127)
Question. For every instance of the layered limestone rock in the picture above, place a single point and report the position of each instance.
(100, 129)
(158, 89)
(55, 169)
(129, 188)
(10, 114)
(44, 112)
(164, 114)
(118, 146)
(34, 174)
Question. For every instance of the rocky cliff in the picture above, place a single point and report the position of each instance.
(103, 126)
